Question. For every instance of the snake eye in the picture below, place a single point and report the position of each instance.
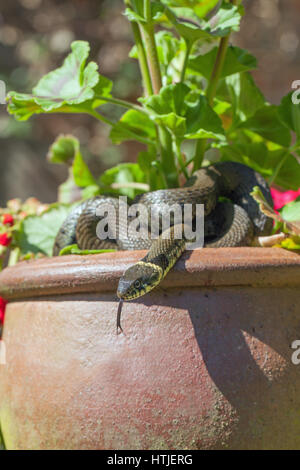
(137, 284)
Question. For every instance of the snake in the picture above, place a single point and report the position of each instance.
(232, 218)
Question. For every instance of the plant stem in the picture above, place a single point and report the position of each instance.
(148, 90)
(142, 58)
(216, 73)
(66, 109)
(200, 151)
(186, 60)
(122, 103)
(149, 37)
(167, 158)
(100, 117)
(211, 92)
(165, 140)
(14, 256)
(180, 159)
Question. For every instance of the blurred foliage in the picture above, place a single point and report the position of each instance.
(34, 38)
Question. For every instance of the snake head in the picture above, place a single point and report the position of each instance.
(138, 280)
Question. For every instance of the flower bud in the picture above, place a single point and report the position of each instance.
(5, 239)
(8, 220)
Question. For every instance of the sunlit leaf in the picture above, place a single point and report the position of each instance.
(291, 211)
(133, 125)
(265, 161)
(72, 87)
(236, 60)
(289, 113)
(202, 121)
(63, 149)
(226, 20)
(67, 147)
(266, 123)
(245, 96)
(37, 233)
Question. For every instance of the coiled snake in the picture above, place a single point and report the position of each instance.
(235, 221)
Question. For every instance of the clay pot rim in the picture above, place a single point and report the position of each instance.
(206, 267)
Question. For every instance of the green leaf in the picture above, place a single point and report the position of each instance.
(134, 125)
(146, 158)
(22, 106)
(134, 16)
(191, 120)
(201, 7)
(74, 250)
(188, 31)
(103, 88)
(37, 233)
(220, 107)
(202, 122)
(117, 180)
(90, 191)
(265, 161)
(65, 148)
(245, 96)
(289, 113)
(167, 107)
(291, 211)
(151, 166)
(81, 172)
(68, 191)
(136, 13)
(173, 122)
(168, 47)
(266, 123)
(171, 99)
(288, 176)
(72, 83)
(236, 60)
(70, 88)
(291, 243)
(226, 20)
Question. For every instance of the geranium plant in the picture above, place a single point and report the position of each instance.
(198, 89)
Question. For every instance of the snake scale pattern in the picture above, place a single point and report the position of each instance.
(232, 218)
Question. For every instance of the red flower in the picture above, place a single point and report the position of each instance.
(282, 198)
(8, 219)
(5, 239)
(2, 309)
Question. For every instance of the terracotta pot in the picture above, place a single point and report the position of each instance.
(204, 361)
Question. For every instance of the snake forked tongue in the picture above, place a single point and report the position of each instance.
(119, 327)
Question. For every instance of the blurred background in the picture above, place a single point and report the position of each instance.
(35, 36)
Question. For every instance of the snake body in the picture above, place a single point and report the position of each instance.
(233, 221)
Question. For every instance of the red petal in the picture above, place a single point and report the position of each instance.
(281, 198)
(2, 309)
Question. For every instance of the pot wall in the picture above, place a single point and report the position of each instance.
(204, 362)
